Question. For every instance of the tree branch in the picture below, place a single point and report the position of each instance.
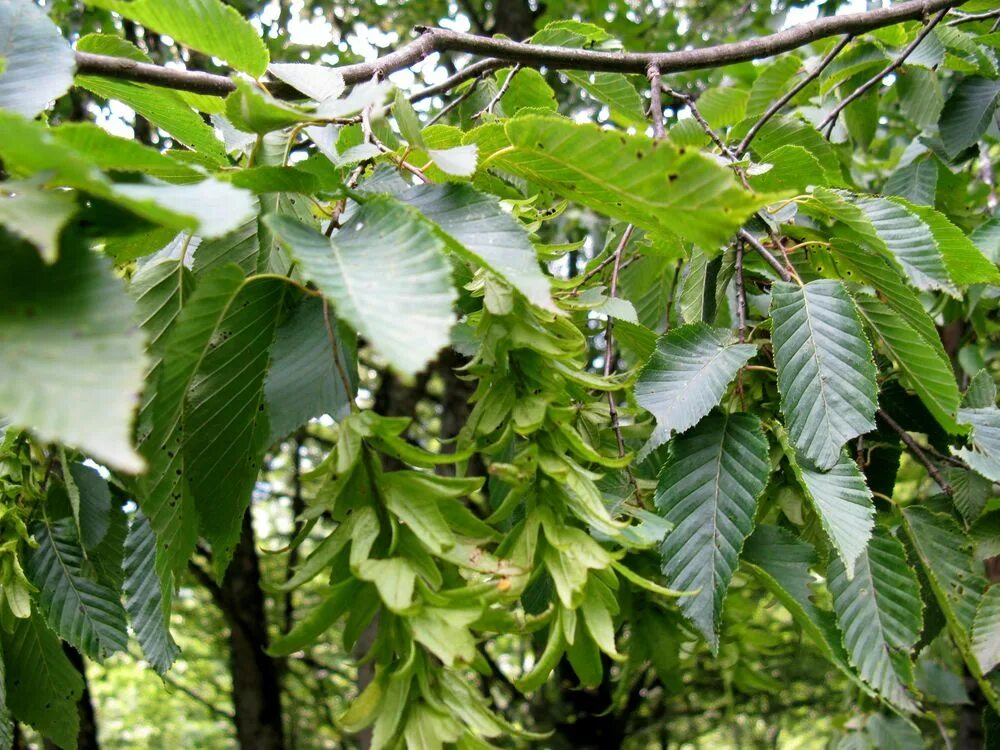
(917, 451)
(830, 120)
(533, 55)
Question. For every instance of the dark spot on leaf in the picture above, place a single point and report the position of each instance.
(672, 177)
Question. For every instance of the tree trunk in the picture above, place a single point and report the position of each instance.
(256, 681)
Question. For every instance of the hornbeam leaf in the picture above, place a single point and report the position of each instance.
(38, 61)
(687, 376)
(70, 354)
(225, 422)
(967, 113)
(925, 371)
(654, 185)
(986, 630)
(304, 379)
(87, 614)
(475, 226)
(965, 262)
(946, 555)
(208, 26)
(164, 108)
(386, 275)
(910, 240)
(148, 609)
(880, 615)
(826, 375)
(840, 498)
(708, 491)
(984, 457)
(112, 152)
(36, 215)
(42, 685)
(782, 562)
(161, 289)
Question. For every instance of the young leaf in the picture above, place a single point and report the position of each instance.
(86, 613)
(70, 353)
(879, 612)
(826, 376)
(708, 490)
(630, 177)
(687, 376)
(38, 61)
(385, 274)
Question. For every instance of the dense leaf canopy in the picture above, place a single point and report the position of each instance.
(432, 374)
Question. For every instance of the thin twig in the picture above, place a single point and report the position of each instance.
(592, 273)
(656, 101)
(741, 299)
(791, 94)
(609, 339)
(831, 119)
(764, 253)
(971, 17)
(536, 55)
(499, 94)
(916, 450)
(457, 101)
(341, 367)
(710, 132)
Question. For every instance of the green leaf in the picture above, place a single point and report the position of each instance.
(723, 106)
(113, 153)
(225, 424)
(842, 501)
(826, 376)
(967, 114)
(945, 554)
(475, 226)
(408, 498)
(923, 368)
(334, 604)
(253, 110)
(241, 246)
(708, 490)
(386, 275)
(782, 131)
(986, 630)
(42, 685)
(772, 80)
(406, 118)
(394, 578)
(212, 207)
(984, 457)
(782, 562)
(879, 612)
(653, 185)
(208, 26)
(791, 168)
(147, 604)
(160, 290)
(303, 381)
(38, 61)
(86, 613)
(71, 356)
(910, 240)
(459, 161)
(35, 215)
(917, 182)
(966, 264)
(687, 376)
(164, 108)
